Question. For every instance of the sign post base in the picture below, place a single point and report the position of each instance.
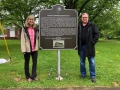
(59, 78)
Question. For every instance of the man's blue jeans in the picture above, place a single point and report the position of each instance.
(82, 63)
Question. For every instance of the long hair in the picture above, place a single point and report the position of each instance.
(26, 22)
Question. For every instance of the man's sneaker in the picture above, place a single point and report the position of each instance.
(93, 80)
(82, 76)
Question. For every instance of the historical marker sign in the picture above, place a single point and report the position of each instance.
(58, 28)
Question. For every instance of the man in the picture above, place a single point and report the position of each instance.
(88, 36)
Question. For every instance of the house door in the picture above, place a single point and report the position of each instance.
(12, 33)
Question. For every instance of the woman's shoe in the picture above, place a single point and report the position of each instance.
(29, 80)
(36, 79)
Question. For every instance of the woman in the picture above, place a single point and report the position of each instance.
(29, 47)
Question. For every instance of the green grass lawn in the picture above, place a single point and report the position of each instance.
(107, 67)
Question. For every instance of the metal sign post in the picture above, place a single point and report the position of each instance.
(59, 76)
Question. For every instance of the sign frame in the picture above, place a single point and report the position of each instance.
(67, 42)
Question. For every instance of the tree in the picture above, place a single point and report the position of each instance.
(14, 12)
(102, 12)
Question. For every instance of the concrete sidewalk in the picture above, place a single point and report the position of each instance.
(68, 88)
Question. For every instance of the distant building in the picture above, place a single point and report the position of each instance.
(11, 33)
